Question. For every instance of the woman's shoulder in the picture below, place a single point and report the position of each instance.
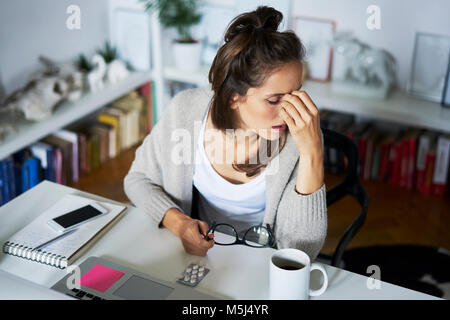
(188, 105)
(191, 99)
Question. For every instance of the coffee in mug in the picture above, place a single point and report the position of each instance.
(290, 274)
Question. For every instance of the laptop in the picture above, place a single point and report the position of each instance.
(13, 287)
(101, 279)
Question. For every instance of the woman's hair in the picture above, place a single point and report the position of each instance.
(253, 49)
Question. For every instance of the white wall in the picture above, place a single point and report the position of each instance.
(30, 28)
(400, 19)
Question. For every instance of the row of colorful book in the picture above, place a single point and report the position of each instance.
(66, 154)
(412, 158)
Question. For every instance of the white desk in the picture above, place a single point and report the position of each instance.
(237, 272)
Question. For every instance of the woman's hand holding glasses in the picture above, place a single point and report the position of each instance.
(192, 233)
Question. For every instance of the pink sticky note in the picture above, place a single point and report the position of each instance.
(100, 278)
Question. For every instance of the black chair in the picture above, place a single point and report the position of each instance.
(350, 186)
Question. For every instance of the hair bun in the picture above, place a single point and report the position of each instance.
(264, 18)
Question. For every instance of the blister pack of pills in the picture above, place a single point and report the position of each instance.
(193, 274)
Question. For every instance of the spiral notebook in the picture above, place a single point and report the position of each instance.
(66, 250)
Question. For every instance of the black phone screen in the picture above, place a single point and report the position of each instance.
(79, 215)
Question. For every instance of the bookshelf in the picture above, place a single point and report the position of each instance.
(69, 112)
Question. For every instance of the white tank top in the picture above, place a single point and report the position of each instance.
(241, 205)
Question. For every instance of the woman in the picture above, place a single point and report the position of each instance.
(254, 104)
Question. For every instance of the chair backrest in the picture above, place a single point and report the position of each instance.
(350, 186)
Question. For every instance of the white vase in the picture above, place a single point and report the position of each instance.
(187, 55)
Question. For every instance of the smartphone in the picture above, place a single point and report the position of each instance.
(75, 218)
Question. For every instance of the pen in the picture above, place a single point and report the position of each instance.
(54, 239)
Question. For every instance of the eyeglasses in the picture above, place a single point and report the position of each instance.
(256, 236)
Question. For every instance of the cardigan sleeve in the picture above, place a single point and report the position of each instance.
(144, 181)
(301, 220)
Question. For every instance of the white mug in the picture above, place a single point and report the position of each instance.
(290, 273)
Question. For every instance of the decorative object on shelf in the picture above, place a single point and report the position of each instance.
(366, 72)
(446, 93)
(182, 15)
(83, 64)
(316, 35)
(116, 69)
(96, 75)
(68, 72)
(429, 66)
(131, 36)
(44, 91)
(108, 52)
(38, 98)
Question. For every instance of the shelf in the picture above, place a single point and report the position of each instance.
(199, 77)
(68, 112)
(399, 107)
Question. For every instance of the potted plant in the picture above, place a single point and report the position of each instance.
(181, 15)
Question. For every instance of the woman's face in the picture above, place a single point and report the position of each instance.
(259, 109)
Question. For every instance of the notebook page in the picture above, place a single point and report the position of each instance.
(38, 231)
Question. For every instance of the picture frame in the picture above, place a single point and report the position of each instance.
(427, 79)
(446, 92)
(316, 35)
(131, 36)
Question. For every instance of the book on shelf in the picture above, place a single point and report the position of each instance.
(114, 121)
(147, 123)
(93, 149)
(430, 161)
(131, 117)
(372, 138)
(385, 162)
(82, 147)
(73, 138)
(7, 180)
(396, 159)
(103, 133)
(408, 153)
(424, 144)
(44, 152)
(111, 139)
(441, 168)
(26, 171)
(121, 116)
(134, 106)
(65, 147)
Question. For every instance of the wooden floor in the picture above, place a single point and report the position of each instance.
(395, 216)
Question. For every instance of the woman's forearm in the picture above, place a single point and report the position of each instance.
(173, 220)
(310, 176)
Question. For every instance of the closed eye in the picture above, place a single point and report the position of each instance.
(273, 102)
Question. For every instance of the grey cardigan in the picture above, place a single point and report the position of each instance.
(161, 174)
